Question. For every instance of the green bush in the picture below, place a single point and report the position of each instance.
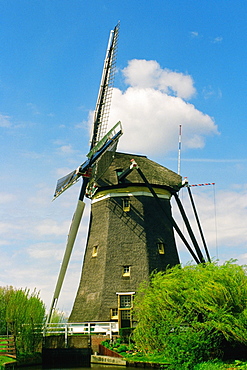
(22, 315)
(193, 314)
(125, 334)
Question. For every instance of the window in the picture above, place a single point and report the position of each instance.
(125, 315)
(125, 301)
(126, 204)
(114, 313)
(125, 304)
(95, 251)
(126, 270)
(161, 247)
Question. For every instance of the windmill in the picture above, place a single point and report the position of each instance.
(131, 234)
(103, 146)
(131, 230)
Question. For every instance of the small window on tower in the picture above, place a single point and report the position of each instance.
(161, 248)
(125, 301)
(126, 204)
(95, 251)
(125, 314)
(126, 270)
(114, 313)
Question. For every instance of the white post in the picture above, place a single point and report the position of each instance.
(66, 335)
(179, 148)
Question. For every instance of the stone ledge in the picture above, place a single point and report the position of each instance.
(97, 359)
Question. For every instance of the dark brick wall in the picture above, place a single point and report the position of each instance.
(58, 341)
(123, 238)
(108, 352)
(96, 340)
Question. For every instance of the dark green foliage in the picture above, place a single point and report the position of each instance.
(58, 317)
(125, 334)
(22, 314)
(193, 314)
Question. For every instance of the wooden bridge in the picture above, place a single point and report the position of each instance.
(7, 346)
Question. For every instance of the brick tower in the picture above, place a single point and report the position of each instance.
(129, 237)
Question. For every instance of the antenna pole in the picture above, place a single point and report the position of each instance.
(179, 147)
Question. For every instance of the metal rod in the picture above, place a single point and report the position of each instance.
(191, 234)
(169, 218)
(198, 224)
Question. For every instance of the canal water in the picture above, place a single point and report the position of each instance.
(93, 367)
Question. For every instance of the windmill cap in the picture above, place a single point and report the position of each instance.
(156, 174)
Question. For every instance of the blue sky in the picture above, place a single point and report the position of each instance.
(179, 62)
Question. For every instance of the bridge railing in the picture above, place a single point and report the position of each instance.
(67, 329)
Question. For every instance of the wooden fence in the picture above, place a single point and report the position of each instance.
(7, 346)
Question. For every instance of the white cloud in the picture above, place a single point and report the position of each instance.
(6, 197)
(4, 121)
(151, 120)
(7, 228)
(223, 219)
(46, 251)
(4, 242)
(33, 108)
(218, 39)
(52, 227)
(152, 108)
(149, 74)
(194, 34)
(209, 92)
(65, 149)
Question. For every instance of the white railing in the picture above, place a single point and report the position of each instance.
(67, 328)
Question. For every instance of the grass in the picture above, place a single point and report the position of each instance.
(132, 355)
(219, 365)
(4, 359)
(210, 365)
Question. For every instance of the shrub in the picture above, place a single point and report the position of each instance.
(193, 314)
(22, 315)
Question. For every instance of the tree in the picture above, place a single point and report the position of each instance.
(22, 314)
(194, 313)
(58, 317)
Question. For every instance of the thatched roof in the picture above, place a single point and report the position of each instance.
(156, 174)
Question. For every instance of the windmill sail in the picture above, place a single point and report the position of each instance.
(65, 182)
(102, 109)
(106, 144)
(69, 246)
(102, 145)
